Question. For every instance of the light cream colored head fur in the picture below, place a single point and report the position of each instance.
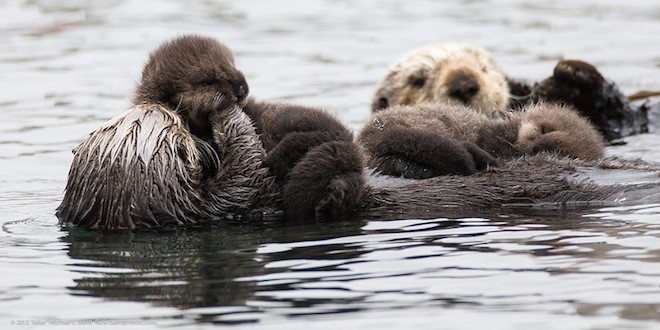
(444, 73)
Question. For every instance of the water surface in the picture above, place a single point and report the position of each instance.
(68, 66)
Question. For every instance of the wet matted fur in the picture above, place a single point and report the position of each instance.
(143, 169)
(544, 181)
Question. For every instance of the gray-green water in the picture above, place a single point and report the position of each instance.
(68, 66)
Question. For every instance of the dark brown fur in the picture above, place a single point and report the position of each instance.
(532, 182)
(313, 156)
(580, 85)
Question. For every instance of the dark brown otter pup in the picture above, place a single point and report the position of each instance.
(193, 76)
(185, 153)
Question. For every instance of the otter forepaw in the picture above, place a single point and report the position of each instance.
(579, 72)
(400, 167)
(291, 149)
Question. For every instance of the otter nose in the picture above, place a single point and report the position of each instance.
(240, 91)
(463, 87)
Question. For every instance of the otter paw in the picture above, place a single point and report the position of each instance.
(341, 195)
(580, 73)
(400, 167)
(328, 179)
(291, 149)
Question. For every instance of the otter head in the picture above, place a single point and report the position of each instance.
(194, 76)
(444, 73)
(555, 128)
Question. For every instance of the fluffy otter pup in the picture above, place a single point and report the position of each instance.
(437, 139)
(195, 77)
(444, 73)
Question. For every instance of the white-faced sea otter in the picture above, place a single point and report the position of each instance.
(442, 73)
(456, 73)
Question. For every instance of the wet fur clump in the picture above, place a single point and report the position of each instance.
(444, 73)
(438, 139)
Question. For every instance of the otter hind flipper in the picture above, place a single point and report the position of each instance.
(327, 180)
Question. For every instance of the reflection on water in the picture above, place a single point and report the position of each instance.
(600, 265)
(70, 65)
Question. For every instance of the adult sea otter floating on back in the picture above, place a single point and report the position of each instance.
(193, 150)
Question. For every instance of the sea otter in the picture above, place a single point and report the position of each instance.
(438, 139)
(186, 153)
(179, 158)
(443, 73)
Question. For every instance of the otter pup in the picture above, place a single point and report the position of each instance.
(443, 73)
(185, 152)
(437, 139)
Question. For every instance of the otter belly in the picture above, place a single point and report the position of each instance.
(142, 170)
(543, 181)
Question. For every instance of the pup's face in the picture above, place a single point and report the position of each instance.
(195, 76)
(555, 128)
(444, 73)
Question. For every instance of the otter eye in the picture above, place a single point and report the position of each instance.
(484, 68)
(417, 81)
